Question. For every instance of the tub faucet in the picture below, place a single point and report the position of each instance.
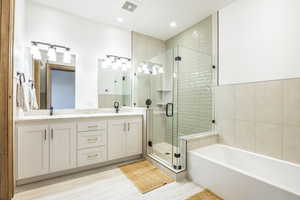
(117, 106)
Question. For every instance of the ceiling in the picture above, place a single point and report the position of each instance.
(152, 17)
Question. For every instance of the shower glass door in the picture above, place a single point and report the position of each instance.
(182, 104)
(161, 113)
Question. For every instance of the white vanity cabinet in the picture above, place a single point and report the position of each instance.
(45, 148)
(33, 150)
(133, 137)
(62, 146)
(116, 139)
(49, 146)
(91, 145)
(124, 138)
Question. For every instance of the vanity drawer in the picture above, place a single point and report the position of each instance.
(91, 156)
(91, 139)
(91, 125)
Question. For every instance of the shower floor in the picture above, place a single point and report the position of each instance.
(164, 151)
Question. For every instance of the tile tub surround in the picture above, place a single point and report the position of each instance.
(261, 117)
(200, 140)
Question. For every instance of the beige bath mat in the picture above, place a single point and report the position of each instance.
(205, 195)
(145, 176)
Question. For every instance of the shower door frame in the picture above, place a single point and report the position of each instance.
(178, 153)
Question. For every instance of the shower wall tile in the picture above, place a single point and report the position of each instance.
(292, 102)
(269, 139)
(245, 102)
(291, 143)
(245, 135)
(197, 37)
(269, 102)
(261, 117)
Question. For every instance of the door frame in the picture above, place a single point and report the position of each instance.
(50, 67)
(6, 100)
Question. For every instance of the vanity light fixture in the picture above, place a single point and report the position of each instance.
(52, 53)
(116, 62)
(36, 53)
(150, 68)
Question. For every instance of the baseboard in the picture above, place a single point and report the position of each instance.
(116, 162)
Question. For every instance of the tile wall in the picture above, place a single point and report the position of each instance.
(261, 117)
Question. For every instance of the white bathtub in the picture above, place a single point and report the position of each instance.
(235, 174)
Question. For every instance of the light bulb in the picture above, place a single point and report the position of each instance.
(119, 63)
(35, 52)
(105, 63)
(128, 64)
(52, 54)
(67, 56)
(145, 67)
(139, 69)
(124, 68)
(110, 59)
(154, 71)
(114, 66)
(147, 71)
(160, 70)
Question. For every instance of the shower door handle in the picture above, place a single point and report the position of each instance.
(168, 114)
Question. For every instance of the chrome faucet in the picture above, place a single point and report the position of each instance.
(117, 106)
(51, 110)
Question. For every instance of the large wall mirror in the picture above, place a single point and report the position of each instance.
(114, 81)
(54, 81)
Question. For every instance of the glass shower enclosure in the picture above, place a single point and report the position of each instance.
(182, 105)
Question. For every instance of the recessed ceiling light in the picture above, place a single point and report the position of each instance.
(173, 24)
(120, 19)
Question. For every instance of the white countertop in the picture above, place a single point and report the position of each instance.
(75, 116)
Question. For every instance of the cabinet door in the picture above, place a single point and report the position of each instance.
(33, 150)
(62, 146)
(134, 137)
(116, 139)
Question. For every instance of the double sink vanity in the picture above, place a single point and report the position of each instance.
(47, 146)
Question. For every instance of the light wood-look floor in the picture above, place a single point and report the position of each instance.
(102, 184)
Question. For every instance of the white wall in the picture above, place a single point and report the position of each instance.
(89, 40)
(20, 36)
(259, 40)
